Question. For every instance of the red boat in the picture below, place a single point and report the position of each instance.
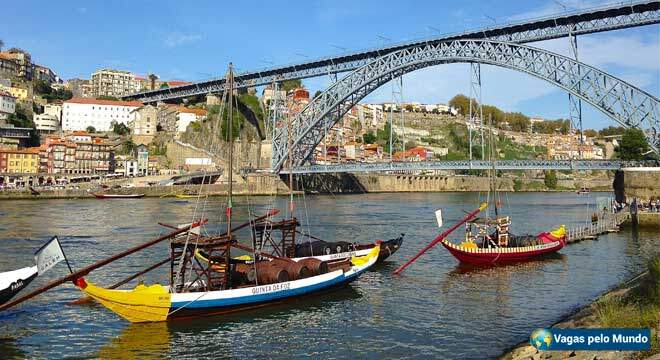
(468, 252)
(118, 196)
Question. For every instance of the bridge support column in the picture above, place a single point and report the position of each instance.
(476, 116)
(575, 103)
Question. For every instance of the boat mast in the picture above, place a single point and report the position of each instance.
(290, 158)
(492, 162)
(230, 89)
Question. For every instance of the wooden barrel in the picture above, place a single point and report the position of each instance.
(271, 273)
(316, 266)
(296, 270)
(247, 271)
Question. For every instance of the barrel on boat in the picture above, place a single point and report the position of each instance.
(316, 266)
(269, 273)
(296, 270)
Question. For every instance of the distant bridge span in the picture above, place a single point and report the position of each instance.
(466, 165)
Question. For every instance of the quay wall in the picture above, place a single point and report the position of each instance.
(641, 183)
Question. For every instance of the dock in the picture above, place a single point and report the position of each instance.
(605, 225)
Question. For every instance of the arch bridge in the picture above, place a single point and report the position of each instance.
(619, 100)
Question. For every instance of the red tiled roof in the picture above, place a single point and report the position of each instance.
(177, 83)
(103, 102)
(183, 109)
(6, 94)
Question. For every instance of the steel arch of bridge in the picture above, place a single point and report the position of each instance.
(624, 103)
(587, 21)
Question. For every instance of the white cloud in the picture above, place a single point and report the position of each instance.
(176, 38)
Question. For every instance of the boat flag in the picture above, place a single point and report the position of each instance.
(438, 217)
(49, 255)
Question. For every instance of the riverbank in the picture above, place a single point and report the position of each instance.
(634, 304)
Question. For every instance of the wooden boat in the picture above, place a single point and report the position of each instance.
(469, 252)
(11, 282)
(118, 196)
(283, 238)
(188, 196)
(158, 303)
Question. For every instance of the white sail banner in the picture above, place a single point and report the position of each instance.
(49, 255)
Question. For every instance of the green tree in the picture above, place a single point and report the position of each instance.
(550, 179)
(612, 130)
(383, 138)
(120, 128)
(369, 138)
(462, 103)
(164, 85)
(633, 145)
(91, 129)
(42, 87)
(410, 144)
(590, 133)
(289, 85)
(317, 93)
(128, 147)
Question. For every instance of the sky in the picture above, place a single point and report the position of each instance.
(196, 40)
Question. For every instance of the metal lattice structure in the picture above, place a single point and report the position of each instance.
(408, 167)
(605, 18)
(624, 103)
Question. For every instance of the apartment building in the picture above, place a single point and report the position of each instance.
(7, 104)
(116, 83)
(25, 161)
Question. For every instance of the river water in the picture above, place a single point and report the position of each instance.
(435, 308)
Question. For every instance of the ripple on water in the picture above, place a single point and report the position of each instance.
(434, 309)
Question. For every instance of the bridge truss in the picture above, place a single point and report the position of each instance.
(624, 103)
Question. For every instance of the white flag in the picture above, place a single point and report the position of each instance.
(49, 255)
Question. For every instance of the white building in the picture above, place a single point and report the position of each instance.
(185, 116)
(53, 110)
(7, 104)
(46, 123)
(80, 113)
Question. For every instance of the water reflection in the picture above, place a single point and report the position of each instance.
(433, 309)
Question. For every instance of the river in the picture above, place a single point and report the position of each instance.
(434, 309)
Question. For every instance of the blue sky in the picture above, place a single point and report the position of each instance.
(195, 40)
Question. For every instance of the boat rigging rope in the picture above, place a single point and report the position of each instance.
(185, 246)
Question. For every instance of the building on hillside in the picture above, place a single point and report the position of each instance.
(144, 124)
(80, 113)
(7, 105)
(46, 123)
(8, 66)
(268, 95)
(54, 109)
(115, 83)
(22, 59)
(24, 161)
(187, 115)
(80, 88)
(45, 74)
(20, 93)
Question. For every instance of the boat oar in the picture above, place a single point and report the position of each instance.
(86, 299)
(86, 270)
(441, 237)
